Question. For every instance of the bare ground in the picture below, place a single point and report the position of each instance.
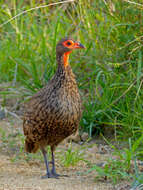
(26, 175)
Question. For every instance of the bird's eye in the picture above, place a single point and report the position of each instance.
(68, 43)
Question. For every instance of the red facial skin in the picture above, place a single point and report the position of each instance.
(71, 45)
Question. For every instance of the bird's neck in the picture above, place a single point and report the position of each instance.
(64, 68)
(63, 59)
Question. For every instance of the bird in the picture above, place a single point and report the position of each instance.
(54, 112)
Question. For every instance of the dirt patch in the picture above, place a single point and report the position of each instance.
(24, 176)
(21, 174)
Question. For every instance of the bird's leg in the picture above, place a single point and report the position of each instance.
(53, 171)
(46, 163)
(49, 174)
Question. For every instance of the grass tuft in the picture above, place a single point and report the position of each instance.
(109, 71)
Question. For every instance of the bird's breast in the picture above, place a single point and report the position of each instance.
(68, 104)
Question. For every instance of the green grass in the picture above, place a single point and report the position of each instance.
(109, 71)
(120, 166)
(114, 171)
(72, 157)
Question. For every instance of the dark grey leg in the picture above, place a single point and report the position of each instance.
(48, 175)
(53, 171)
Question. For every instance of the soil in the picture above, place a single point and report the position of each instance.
(23, 174)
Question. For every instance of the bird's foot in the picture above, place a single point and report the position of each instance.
(50, 175)
(55, 174)
(58, 175)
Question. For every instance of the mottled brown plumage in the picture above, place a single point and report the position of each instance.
(54, 112)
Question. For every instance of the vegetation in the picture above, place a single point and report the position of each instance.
(109, 72)
(71, 158)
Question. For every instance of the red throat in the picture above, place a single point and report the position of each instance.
(66, 58)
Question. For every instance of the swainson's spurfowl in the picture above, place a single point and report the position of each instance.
(54, 112)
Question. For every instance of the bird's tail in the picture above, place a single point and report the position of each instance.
(31, 146)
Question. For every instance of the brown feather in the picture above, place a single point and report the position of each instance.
(54, 112)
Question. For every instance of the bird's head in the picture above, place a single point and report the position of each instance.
(65, 47)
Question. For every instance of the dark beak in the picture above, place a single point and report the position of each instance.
(81, 46)
(78, 45)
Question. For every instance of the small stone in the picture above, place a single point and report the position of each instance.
(84, 136)
(75, 138)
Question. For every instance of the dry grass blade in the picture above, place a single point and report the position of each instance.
(134, 3)
(34, 8)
